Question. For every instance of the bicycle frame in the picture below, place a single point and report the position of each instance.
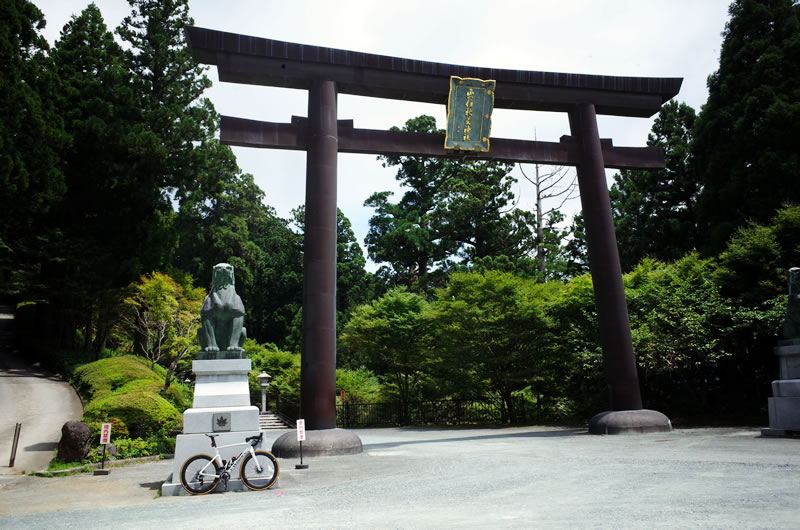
(228, 465)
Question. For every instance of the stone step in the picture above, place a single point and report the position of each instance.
(269, 420)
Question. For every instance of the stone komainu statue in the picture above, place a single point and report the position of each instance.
(222, 315)
(791, 325)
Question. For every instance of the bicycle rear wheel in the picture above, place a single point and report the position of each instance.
(263, 479)
(200, 474)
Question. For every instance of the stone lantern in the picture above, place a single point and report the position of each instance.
(264, 378)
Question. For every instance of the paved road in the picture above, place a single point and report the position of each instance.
(448, 478)
(42, 402)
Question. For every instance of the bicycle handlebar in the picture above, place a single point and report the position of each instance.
(255, 440)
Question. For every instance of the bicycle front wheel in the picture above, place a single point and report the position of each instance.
(261, 472)
(200, 474)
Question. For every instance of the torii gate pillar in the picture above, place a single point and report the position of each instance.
(318, 358)
(619, 363)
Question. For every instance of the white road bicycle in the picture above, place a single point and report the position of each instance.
(201, 474)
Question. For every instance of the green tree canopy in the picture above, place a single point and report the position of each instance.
(162, 318)
(452, 212)
(390, 337)
(493, 327)
(31, 141)
(654, 211)
(746, 135)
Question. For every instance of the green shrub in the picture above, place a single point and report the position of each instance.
(118, 429)
(284, 367)
(100, 378)
(126, 389)
(142, 411)
(165, 445)
(126, 448)
(360, 386)
(135, 447)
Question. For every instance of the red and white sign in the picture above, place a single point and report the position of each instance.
(105, 434)
(301, 430)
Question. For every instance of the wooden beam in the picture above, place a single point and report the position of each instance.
(292, 136)
(259, 61)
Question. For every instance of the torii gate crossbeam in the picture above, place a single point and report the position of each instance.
(326, 72)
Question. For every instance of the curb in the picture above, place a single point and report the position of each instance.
(109, 463)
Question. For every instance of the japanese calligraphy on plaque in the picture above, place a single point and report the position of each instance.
(469, 113)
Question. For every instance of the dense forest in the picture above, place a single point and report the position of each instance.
(118, 200)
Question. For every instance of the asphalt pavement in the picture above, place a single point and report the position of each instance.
(37, 399)
(524, 477)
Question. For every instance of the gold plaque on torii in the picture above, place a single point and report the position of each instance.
(469, 114)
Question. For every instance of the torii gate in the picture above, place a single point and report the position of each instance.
(326, 72)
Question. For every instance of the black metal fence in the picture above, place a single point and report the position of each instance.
(440, 412)
(286, 409)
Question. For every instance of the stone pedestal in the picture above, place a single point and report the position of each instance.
(640, 421)
(784, 406)
(222, 407)
(323, 442)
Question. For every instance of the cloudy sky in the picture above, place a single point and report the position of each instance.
(655, 38)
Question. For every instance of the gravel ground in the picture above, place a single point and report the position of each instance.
(447, 478)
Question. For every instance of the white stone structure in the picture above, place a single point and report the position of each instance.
(221, 407)
(784, 406)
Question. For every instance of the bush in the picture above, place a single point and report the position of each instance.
(124, 391)
(118, 429)
(142, 411)
(283, 366)
(360, 386)
(100, 378)
(126, 448)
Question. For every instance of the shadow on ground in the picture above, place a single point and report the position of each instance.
(559, 433)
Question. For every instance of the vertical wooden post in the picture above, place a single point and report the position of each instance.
(17, 429)
(609, 294)
(318, 365)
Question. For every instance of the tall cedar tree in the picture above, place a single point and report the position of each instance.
(746, 136)
(169, 85)
(452, 212)
(654, 211)
(405, 234)
(31, 140)
(104, 203)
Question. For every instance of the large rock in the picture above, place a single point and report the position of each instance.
(75, 442)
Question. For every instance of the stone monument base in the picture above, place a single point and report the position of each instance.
(200, 420)
(188, 445)
(784, 406)
(641, 421)
(326, 442)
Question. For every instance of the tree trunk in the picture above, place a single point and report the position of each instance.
(168, 378)
(539, 225)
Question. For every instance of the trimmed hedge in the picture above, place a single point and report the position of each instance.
(125, 390)
(107, 376)
(143, 412)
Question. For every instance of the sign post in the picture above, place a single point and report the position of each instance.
(17, 429)
(105, 439)
(301, 436)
